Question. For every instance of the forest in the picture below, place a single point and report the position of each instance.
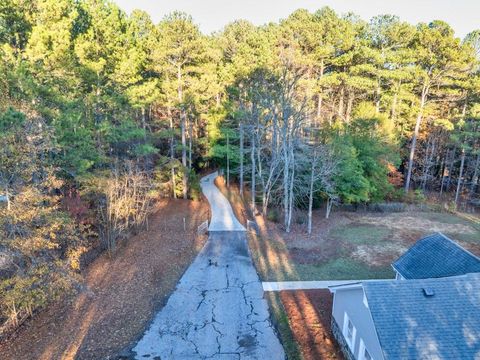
(102, 112)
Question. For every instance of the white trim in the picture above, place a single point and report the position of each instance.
(302, 285)
(351, 343)
(365, 301)
(399, 276)
(376, 333)
(349, 286)
(333, 305)
(361, 351)
(352, 284)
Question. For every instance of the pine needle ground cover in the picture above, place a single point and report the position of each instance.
(120, 295)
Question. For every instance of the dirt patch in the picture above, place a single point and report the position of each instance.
(321, 227)
(379, 255)
(417, 221)
(309, 313)
(314, 255)
(473, 248)
(120, 295)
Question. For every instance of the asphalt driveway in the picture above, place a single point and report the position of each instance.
(217, 310)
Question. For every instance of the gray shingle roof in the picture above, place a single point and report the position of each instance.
(436, 256)
(411, 325)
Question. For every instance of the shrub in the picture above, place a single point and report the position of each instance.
(301, 219)
(414, 197)
(387, 207)
(273, 215)
(194, 189)
(419, 196)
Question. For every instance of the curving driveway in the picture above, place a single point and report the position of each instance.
(217, 310)
(223, 218)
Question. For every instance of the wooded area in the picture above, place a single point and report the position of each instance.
(102, 112)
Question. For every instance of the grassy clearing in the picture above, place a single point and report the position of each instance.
(352, 246)
(361, 234)
(446, 218)
(342, 268)
(349, 245)
(465, 219)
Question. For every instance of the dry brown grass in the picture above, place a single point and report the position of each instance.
(401, 221)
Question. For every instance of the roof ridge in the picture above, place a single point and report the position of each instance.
(432, 237)
(458, 245)
(413, 282)
(416, 242)
(445, 278)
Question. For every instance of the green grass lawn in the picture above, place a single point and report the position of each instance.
(361, 234)
(360, 246)
(342, 268)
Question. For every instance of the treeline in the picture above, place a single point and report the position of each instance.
(101, 112)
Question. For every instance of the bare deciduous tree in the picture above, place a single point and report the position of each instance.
(126, 203)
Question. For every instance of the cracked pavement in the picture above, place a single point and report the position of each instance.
(217, 310)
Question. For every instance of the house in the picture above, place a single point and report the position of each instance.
(433, 314)
(436, 318)
(435, 256)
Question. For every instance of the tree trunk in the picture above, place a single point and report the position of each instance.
(428, 162)
(228, 162)
(377, 98)
(444, 168)
(462, 162)
(144, 126)
(351, 96)
(415, 136)
(190, 142)
(172, 152)
(319, 96)
(329, 208)
(275, 133)
(393, 109)
(460, 175)
(340, 102)
(473, 186)
(319, 105)
(241, 159)
(450, 168)
(9, 203)
(252, 156)
(184, 154)
(183, 116)
(310, 197)
(290, 198)
(286, 165)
